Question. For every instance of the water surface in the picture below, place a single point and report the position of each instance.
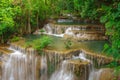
(59, 44)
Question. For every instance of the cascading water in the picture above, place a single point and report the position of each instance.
(49, 31)
(19, 67)
(63, 73)
(24, 66)
(43, 71)
(69, 31)
(79, 32)
(95, 75)
(81, 56)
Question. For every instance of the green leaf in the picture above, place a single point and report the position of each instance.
(109, 24)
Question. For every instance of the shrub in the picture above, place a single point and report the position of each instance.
(42, 31)
(15, 38)
(68, 44)
(40, 44)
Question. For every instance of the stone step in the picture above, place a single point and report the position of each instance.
(88, 32)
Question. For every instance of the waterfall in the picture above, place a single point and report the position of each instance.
(66, 71)
(43, 71)
(78, 32)
(69, 31)
(25, 65)
(81, 56)
(19, 67)
(95, 74)
(49, 31)
(63, 73)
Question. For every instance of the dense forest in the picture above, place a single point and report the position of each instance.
(18, 17)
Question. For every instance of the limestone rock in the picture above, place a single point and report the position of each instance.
(107, 74)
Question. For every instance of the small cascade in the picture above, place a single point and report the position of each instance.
(63, 73)
(43, 72)
(95, 75)
(48, 30)
(66, 71)
(78, 32)
(81, 56)
(24, 65)
(69, 31)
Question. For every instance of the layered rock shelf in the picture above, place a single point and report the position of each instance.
(65, 55)
(78, 32)
(97, 58)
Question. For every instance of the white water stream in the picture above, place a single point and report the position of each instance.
(48, 31)
(62, 73)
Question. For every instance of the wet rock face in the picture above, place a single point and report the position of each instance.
(80, 68)
(106, 74)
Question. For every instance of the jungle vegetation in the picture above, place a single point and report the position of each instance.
(25, 16)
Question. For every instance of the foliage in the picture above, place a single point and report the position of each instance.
(111, 18)
(68, 44)
(112, 24)
(43, 42)
(42, 31)
(7, 15)
(24, 16)
(15, 38)
(117, 70)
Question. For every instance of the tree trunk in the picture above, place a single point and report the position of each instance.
(29, 25)
(2, 38)
(29, 17)
(37, 21)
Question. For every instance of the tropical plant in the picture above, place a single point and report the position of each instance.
(68, 44)
(15, 38)
(41, 43)
(8, 11)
